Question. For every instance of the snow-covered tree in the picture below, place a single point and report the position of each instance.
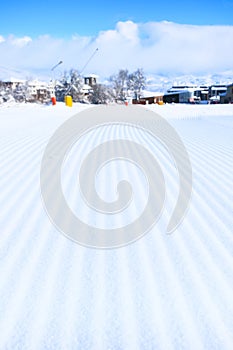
(119, 85)
(70, 84)
(6, 93)
(136, 82)
(1, 92)
(21, 93)
(124, 82)
(65, 79)
(99, 94)
(75, 86)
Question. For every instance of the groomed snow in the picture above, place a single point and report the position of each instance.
(161, 292)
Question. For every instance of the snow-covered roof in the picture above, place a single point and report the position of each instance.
(172, 92)
(14, 80)
(91, 76)
(218, 88)
(37, 83)
(86, 87)
(184, 86)
(152, 94)
(179, 89)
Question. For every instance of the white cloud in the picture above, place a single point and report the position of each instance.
(158, 47)
(129, 31)
(19, 42)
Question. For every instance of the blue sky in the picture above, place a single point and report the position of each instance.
(165, 38)
(65, 18)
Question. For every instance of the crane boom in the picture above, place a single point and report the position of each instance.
(89, 59)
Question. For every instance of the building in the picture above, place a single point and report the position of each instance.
(39, 91)
(149, 98)
(194, 94)
(179, 94)
(227, 96)
(202, 93)
(182, 94)
(12, 83)
(90, 80)
(216, 91)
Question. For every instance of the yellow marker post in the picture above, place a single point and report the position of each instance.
(68, 101)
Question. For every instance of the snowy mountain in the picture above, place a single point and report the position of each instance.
(163, 83)
(155, 82)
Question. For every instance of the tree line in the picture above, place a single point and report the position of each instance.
(118, 88)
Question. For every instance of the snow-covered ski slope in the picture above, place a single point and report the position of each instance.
(161, 292)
